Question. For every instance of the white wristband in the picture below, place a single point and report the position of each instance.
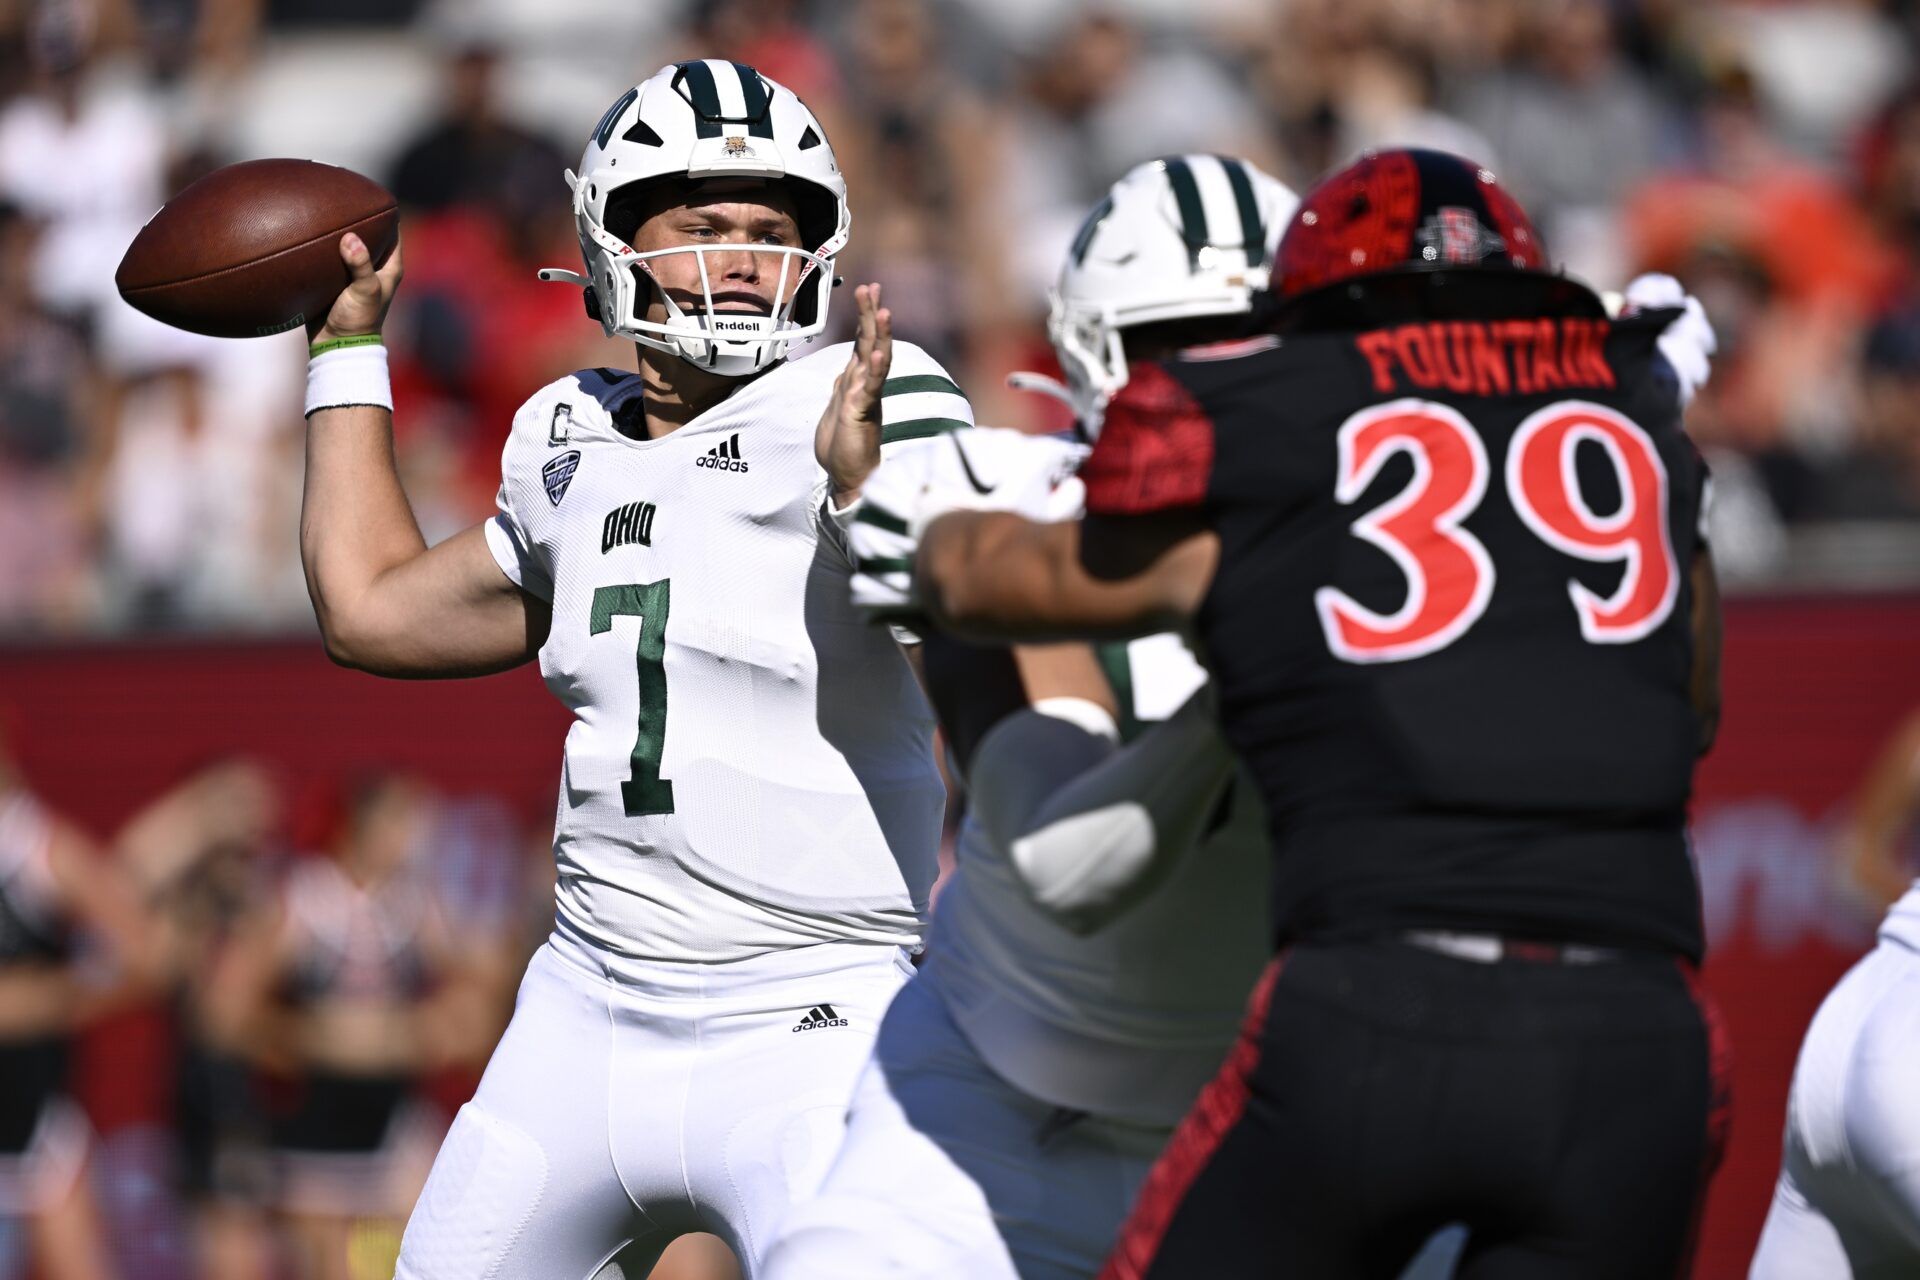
(1089, 716)
(842, 517)
(349, 376)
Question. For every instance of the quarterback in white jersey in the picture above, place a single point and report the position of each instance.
(1026, 1080)
(749, 808)
(1847, 1206)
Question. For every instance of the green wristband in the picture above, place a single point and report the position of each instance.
(341, 344)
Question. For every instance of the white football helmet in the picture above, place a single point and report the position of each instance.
(709, 119)
(1180, 238)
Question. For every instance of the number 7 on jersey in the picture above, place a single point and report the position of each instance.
(644, 792)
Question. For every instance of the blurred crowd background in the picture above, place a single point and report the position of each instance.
(1767, 152)
(278, 945)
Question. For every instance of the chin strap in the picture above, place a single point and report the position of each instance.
(1087, 410)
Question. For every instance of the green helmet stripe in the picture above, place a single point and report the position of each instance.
(1193, 214)
(753, 91)
(696, 82)
(1084, 239)
(603, 131)
(1254, 231)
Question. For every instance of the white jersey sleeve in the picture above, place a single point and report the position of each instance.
(919, 401)
(534, 465)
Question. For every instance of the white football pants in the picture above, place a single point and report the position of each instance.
(1848, 1201)
(949, 1171)
(629, 1103)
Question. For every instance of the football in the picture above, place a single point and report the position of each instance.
(254, 248)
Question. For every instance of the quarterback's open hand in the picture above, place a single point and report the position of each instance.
(362, 306)
(977, 469)
(848, 441)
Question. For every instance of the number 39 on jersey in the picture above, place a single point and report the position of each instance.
(1450, 575)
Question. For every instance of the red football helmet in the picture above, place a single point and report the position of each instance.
(1394, 214)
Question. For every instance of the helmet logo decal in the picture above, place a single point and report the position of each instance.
(736, 146)
(1454, 235)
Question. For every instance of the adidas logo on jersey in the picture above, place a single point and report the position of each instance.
(821, 1015)
(724, 456)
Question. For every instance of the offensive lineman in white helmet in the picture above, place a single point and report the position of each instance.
(749, 808)
(1025, 1081)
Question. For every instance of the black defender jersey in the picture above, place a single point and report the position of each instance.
(1450, 627)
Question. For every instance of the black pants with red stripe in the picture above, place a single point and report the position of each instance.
(1569, 1115)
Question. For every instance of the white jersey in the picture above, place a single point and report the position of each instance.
(1131, 1020)
(750, 766)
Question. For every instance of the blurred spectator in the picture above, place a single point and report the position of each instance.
(191, 482)
(1822, 69)
(1878, 478)
(778, 38)
(1387, 94)
(1573, 126)
(81, 152)
(925, 151)
(209, 838)
(1099, 97)
(470, 152)
(1762, 151)
(185, 37)
(1749, 193)
(1791, 271)
(48, 400)
(346, 995)
(475, 332)
(75, 946)
(1890, 179)
(342, 13)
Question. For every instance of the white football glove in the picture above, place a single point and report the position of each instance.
(1688, 341)
(975, 469)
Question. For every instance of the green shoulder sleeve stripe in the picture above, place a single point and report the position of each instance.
(912, 383)
(879, 519)
(919, 429)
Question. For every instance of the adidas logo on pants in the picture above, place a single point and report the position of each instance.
(821, 1015)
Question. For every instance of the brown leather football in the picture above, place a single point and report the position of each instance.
(254, 248)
